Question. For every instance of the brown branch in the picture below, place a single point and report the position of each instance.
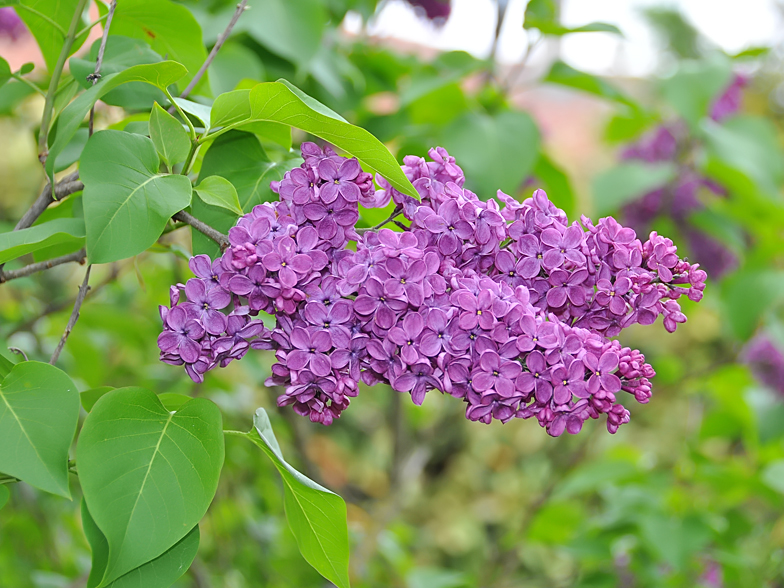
(96, 75)
(65, 187)
(74, 316)
(392, 217)
(34, 268)
(203, 228)
(218, 44)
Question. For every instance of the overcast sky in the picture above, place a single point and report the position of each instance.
(472, 24)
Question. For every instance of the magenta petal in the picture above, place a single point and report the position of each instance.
(168, 341)
(189, 350)
(319, 364)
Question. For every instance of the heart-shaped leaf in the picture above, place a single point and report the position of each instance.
(160, 75)
(160, 572)
(14, 244)
(127, 203)
(218, 191)
(39, 410)
(317, 517)
(148, 475)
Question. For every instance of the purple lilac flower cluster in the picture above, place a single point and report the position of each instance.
(508, 309)
(679, 199)
(766, 362)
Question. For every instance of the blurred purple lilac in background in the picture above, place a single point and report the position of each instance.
(766, 362)
(11, 26)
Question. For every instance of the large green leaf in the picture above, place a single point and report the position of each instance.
(127, 203)
(496, 152)
(629, 181)
(48, 20)
(39, 410)
(280, 102)
(160, 572)
(239, 158)
(5, 71)
(4, 495)
(14, 244)
(317, 517)
(120, 54)
(694, 86)
(160, 75)
(148, 475)
(232, 108)
(169, 136)
(169, 28)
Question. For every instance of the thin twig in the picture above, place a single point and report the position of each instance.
(67, 186)
(218, 44)
(96, 75)
(395, 213)
(34, 268)
(203, 228)
(74, 316)
(63, 304)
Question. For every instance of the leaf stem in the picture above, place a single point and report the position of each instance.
(24, 80)
(46, 118)
(96, 75)
(186, 167)
(215, 48)
(238, 433)
(91, 25)
(83, 289)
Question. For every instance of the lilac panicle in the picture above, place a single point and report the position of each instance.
(508, 308)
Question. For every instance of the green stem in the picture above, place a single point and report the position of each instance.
(189, 161)
(184, 116)
(87, 29)
(46, 118)
(24, 80)
(238, 433)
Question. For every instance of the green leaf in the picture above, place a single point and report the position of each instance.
(4, 495)
(169, 136)
(88, 398)
(172, 401)
(48, 20)
(496, 152)
(127, 203)
(629, 181)
(239, 158)
(120, 54)
(5, 71)
(565, 75)
(39, 410)
(169, 28)
(289, 28)
(281, 102)
(558, 30)
(14, 244)
(317, 517)
(539, 11)
(160, 572)
(6, 365)
(218, 191)
(747, 295)
(148, 475)
(200, 111)
(232, 108)
(694, 86)
(160, 75)
(750, 146)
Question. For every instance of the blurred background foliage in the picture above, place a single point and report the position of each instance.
(689, 494)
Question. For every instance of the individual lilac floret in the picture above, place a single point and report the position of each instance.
(507, 309)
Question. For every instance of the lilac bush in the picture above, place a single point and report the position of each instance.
(509, 309)
(672, 142)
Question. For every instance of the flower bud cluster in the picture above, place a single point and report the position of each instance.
(508, 309)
